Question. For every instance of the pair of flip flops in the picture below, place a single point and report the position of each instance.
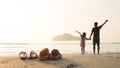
(23, 55)
(45, 55)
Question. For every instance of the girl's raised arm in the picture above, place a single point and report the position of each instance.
(78, 32)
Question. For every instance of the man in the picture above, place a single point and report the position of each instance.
(96, 35)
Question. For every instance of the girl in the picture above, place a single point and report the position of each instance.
(83, 38)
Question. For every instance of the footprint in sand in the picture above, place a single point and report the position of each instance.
(71, 66)
(25, 66)
(118, 57)
(2, 62)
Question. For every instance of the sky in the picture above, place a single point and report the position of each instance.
(34, 21)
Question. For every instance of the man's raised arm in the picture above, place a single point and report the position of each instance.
(104, 23)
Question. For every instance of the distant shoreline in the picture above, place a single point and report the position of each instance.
(56, 42)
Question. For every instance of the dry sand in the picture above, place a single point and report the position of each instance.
(68, 61)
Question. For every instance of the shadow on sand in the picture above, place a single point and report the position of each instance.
(62, 63)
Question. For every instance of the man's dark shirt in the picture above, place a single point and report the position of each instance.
(96, 33)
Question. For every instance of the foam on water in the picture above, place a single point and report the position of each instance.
(64, 48)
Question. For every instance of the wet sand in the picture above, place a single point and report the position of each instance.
(68, 61)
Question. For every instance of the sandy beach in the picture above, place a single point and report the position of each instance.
(68, 61)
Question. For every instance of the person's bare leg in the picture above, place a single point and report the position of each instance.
(84, 50)
(93, 47)
(98, 47)
(81, 51)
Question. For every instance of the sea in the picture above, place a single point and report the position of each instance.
(63, 47)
